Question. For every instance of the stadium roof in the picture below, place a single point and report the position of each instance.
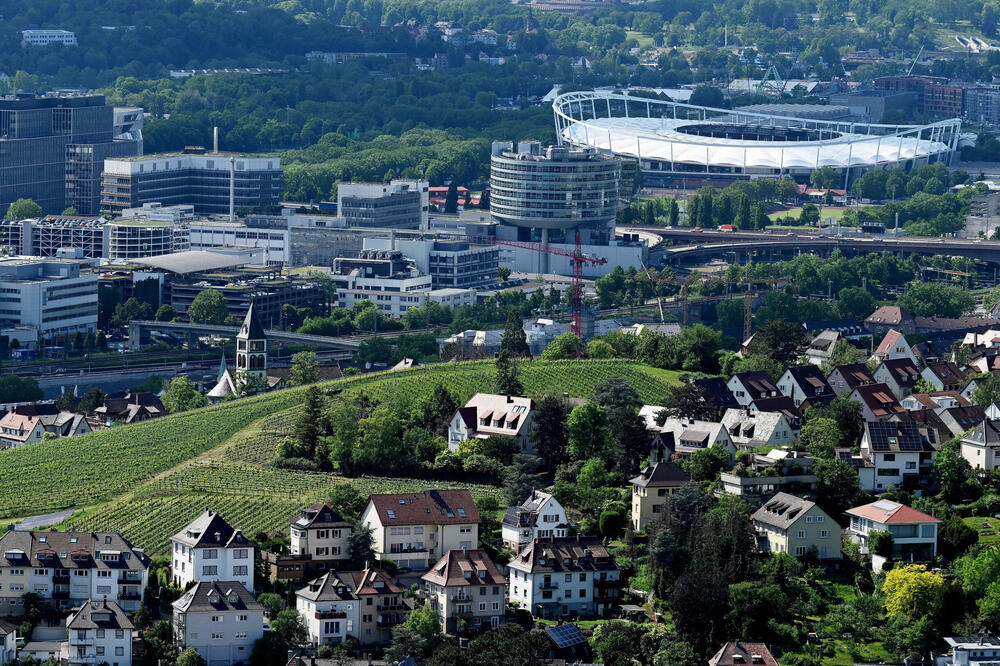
(194, 261)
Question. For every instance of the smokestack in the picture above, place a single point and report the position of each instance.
(232, 189)
(215, 139)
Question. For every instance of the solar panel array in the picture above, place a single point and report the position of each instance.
(565, 635)
(904, 433)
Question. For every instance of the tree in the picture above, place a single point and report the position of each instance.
(778, 339)
(405, 643)
(91, 400)
(67, 402)
(190, 657)
(617, 393)
(686, 401)
(567, 345)
(23, 209)
(912, 592)
(208, 307)
(825, 178)
(987, 391)
(707, 96)
(600, 349)
(361, 542)
(588, 434)
(837, 486)
(503, 273)
(929, 299)
(952, 472)
(166, 312)
(521, 478)
(269, 650)
(181, 396)
(305, 368)
(130, 310)
(855, 303)
(508, 381)
(819, 437)
(70, 211)
(514, 340)
(272, 603)
(451, 199)
(310, 424)
(705, 464)
(288, 624)
(19, 389)
(424, 622)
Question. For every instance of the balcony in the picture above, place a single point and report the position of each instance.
(386, 621)
(548, 585)
(60, 576)
(407, 549)
(331, 615)
(60, 594)
(130, 579)
(389, 608)
(460, 598)
(130, 596)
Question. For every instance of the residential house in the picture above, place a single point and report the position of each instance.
(944, 376)
(936, 401)
(962, 419)
(970, 651)
(750, 430)
(845, 378)
(43, 651)
(320, 533)
(220, 619)
(652, 489)
(986, 362)
(133, 408)
(981, 446)
(992, 411)
(329, 607)
(467, 591)
(538, 517)
(416, 529)
(806, 383)
(28, 424)
(914, 534)
(738, 653)
(690, 435)
(889, 317)
(70, 568)
(877, 402)
(755, 490)
(99, 632)
(716, 392)
(8, 643)
(749, 386)
(381, 605)
(778, 404)
(820, 348)
(969, 390)
(896, 454)
(790, 524)
(573, 576)
(894, 347)
(487, 414)
(210, 549)
(900, 375)
(784, 459)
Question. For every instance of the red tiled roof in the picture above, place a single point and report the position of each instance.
(465, 567)
(738, 653)
(887, 314)
(431, 507)
(888, 341)
(886, 512)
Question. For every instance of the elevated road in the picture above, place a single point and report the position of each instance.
(690, 244)
(140, 329)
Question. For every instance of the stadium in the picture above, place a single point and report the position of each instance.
(684, 146)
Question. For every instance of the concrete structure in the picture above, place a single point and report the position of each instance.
(221, 620)
(210, 549)
(790, 524)
(206, 234)
(651, 491)
(69, 568)
(684, 145)
(198, 178)
(982, 105)
(553, 578)
(756, 490)
(99, 632)
(539, 517)
(53, 296)
(41, 37)
(486, 414)
(416, 529)
(913, 533)
(450, 263)
(400, 204)
(138, 239)
(981, 446)
(821, 347)
(467, 591)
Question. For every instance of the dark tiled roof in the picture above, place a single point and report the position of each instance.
(903, 371)
(879, 399)
(661, 475)
(758, 381)
(319, 515)
(987, 433)
(331, 586)
(210, 530)
(854, 374)
(100, 615)
(737, 653)
(811, 380)
(782, 510)
(465, 567)
(896, 437)
(70, 550)
(229, 595)
(566, 554)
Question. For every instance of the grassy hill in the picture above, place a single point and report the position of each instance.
(149, 479)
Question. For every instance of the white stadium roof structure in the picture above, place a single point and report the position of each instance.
(672, 139)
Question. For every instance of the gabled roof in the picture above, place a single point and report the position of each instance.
(895, 437)
(526, 514)
(505, 414)
(987, 433)
(70, 550)
(903, 371)
(887, 314)
(7, 628)
(888, 342)
(782, 510)
(810, 379)
(210, 530)
(431, 507)
(879, 399)
(947, 372)
(331, 586)
(888, 512)
(738, 653)
(779, 403)
(745, 425)
(757, 380)
(465, 567)
(565, 554)
(99, 615)
(965, 417)
(661, 475)
(251, 328)
(223, 595)
(854, 374)
(319, 515)
(717, 392)
(372, 581)
(933, 399)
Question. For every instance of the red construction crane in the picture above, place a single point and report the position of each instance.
(577, 258)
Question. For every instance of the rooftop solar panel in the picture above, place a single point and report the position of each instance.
(565, 635)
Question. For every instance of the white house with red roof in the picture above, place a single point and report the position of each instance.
(878, 403)
(914, 533)
(893, 346)
(487, 414)
(415, 529)
(738, 653)
(899, 374)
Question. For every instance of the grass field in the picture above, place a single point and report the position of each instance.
(645, 41)
(149, 480)
(825, 212)
(988, 529)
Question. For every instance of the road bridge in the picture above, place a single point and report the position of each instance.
(139, 330)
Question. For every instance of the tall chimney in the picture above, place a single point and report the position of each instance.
(232, 189)
(215, 139)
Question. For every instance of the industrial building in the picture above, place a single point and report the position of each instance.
(53, 296)
(36, 37)
(209, 181)
(48, 148)
(401, 204)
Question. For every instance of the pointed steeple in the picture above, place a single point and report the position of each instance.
(222, 367)
(251, 328)
(251, 346)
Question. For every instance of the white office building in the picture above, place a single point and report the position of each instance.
(52, 296)
(208, 234)
(210, 549)
(46, 37)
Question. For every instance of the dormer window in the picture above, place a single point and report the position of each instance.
(73, 539)
(43, 539)
(391, 514)
(461, 512)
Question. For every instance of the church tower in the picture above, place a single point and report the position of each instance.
(251, 346)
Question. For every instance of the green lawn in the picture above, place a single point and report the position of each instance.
(645, 41)
(988, 529)
(825, 212)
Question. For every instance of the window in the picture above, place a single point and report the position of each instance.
(800, 551)
(100, 650)
(240, 554)
(482, 607)
(569, 578)
(240, 570)
(583, 577)
(819, 519)
(211, 554)
(119, 634)
(210, 570)
(801, 534)
(241, 618)
(241, 634)
(218, 636)
(119, 651)
(823, 534)
(216, 618)
(100, 633)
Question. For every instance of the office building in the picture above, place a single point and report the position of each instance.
(52, 296)
(982, 105)
(46, 37)
(48, 144)
(944, 101)
(450, 263)
(205, 234)
(137, 239)
(401, 204)
(154, 211)
(196, 177)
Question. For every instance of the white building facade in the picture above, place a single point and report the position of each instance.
(221, 620)
(210, 549)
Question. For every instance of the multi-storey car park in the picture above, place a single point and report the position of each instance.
(683, 145)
